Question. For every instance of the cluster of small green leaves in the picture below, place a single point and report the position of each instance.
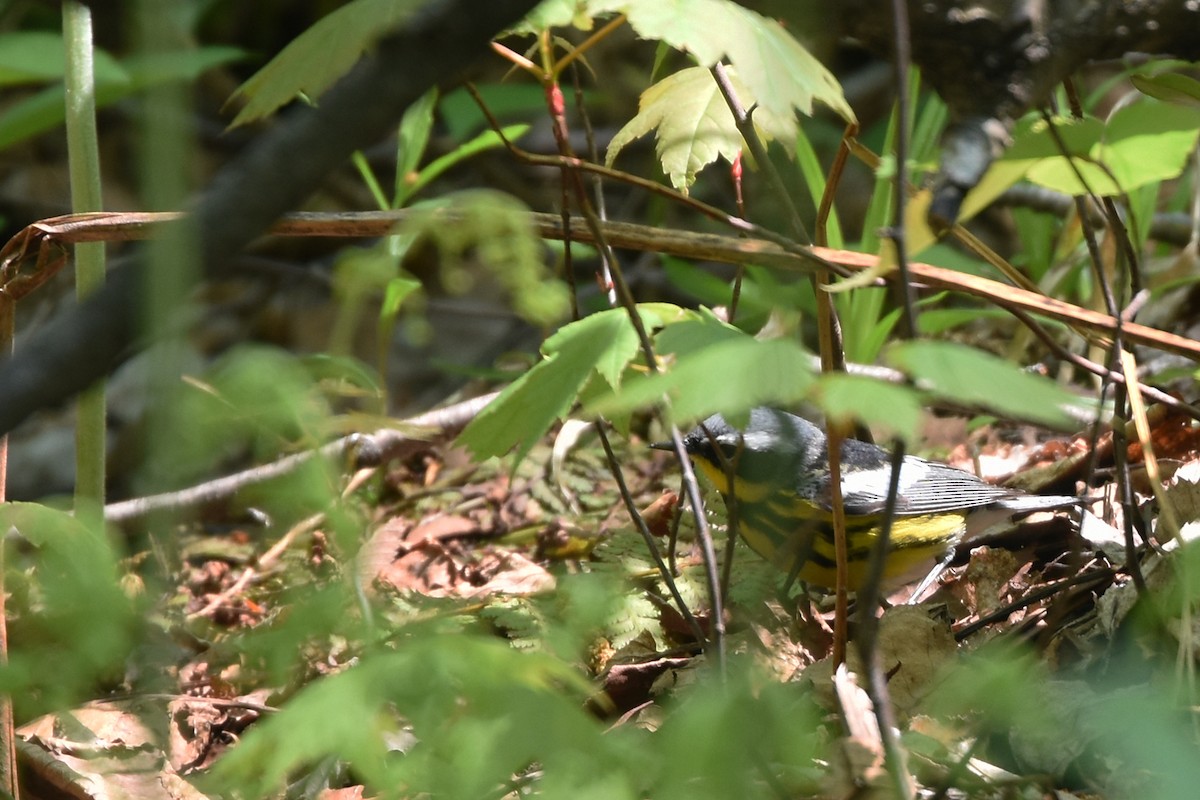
(480, 714)
(708, 366)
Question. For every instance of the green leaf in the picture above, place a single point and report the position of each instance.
(1059, 175)
(693, 124)
(761, 723)
(693, 335)
(411, 142)
(1032, 138)
(488, 140)
(814, 179)
(940, 320)
(716, 371)
(44, 110)
(343, 376)
(856, 398)
(1141, 143)
(699, 283)
(70, 601)
(1170, 87)
(508, 102)
(773, 75)
(154, 69)
(257, 396)
(38, 56)
(776, 69)
(1149, 142)
(33, 115)
(975, 378)
(395, 293)
(496, 231)
(555, 14)
(479, 710)
(320, 56)
(601, 343)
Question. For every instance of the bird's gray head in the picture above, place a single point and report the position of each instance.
(773, 443)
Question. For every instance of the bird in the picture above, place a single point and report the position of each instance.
(781, 486)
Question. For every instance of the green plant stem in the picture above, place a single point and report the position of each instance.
(8, 735)
(867, 638)
(620, 292)
(166, 155)
(83, 154)
(745, 125)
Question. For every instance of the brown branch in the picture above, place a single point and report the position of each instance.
(684, 244)
(364, 450)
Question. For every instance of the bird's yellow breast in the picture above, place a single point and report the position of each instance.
(782, 528)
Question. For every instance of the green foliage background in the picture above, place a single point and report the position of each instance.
(462, 699)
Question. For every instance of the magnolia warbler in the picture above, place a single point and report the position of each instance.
(781, 487)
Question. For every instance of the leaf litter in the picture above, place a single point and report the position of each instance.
(472, 542)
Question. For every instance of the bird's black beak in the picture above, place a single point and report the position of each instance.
(662, 446)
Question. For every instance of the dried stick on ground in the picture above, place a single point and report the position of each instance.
(365, 449)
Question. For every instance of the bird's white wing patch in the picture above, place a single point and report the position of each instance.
(925, 487)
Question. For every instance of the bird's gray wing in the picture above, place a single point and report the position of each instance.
(926, 487)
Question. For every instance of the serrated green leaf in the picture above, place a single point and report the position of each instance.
(782, 73)
(603, 342)
(975, 378)
(508, 709)
(71, 591)
(321, 55)
(693, 124)
(776, 68)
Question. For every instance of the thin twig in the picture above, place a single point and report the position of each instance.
(1004, 612)
(267, 560)
(1099, 370)
(745, 125)
(648, 537)
(215, 702)
(1173, 228)
(8, 734)
(366, 449)
(868, 633)
(1120, 393)
(625, 297)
